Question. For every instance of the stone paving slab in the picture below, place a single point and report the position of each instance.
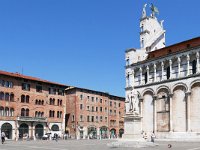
(90, 145)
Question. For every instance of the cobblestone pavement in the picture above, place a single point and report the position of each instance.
(89, 145)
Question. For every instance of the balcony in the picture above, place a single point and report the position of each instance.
(35, 119)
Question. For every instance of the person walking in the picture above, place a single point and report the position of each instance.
(153, 137)
(3, 135)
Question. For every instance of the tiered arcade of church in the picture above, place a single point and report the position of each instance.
(166, 82)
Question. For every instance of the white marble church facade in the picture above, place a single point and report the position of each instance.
(166, 83)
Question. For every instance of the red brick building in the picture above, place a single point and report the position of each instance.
(94, 114)
(30, 106)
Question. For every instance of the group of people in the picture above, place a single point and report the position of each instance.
(145, 136)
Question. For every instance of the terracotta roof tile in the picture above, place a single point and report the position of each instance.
(18, 75)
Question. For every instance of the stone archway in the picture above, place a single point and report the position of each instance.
(163, 110)
(195, 107)
(104, 132)
(23, 130)
(121, 132)
(92, 132)
(179, 108)
(147, 112)
(39, 131)
(7, 129)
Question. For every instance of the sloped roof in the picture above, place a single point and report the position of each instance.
(174, 48)
(18, 75)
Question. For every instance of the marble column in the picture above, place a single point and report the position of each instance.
(171, 113)
(188, 65)
(162, 71)
(154, 67)
(188, 111)
(147, 74)
(179, 66)
(141, 82)
(170, 67)
(155, 114)
(133, 78)
(197, 56)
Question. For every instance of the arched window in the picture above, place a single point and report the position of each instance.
(1, 96)
(6, 84)
(12, 112)
(3, 83)
(36, 114)
(11, 97)
(42, 114)
(53, 113)
(7, 97)
(60, 102)
(55, 127)
(22, 112)
(194, 66)
(27, 98)
(36, 102)
(27, 112)
(6, 111)
(50, 101)
(11, 84)
(23, 98)
(53, 101)
(42, 102)
(58, 114)
(1, 111)
(50, 113)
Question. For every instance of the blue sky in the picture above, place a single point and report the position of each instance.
(82, 42)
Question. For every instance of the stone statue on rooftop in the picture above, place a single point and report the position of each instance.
(154, 10)
(144, 14)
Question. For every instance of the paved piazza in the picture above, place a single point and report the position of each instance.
(89, 145)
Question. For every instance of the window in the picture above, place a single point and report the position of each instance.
(100, 100)
(88, 118)
(101, 118)
(168, 72)
(55, 127)
(39, 88)
(25, 112)
(106, 109)
(81, 97)
(60, 92)
(11, 84)
(97, 99)
(194, 66)
(92, 108)
(12, 112)
(119, 104)
(97, 119)
(92, 119)
(11, 97)
(52, 91)
(73, 118)
(110, 112)
(142, 43)
(101, 109)
(25, 86)
(92, 99)
(115, 112)
(81, 106)
(7, 97)
(23, 98)
(106, 119)
(88, 108)
(7, 84)
(1, 96)
(88, 97)
(81, 117)
(115, 104)
(110, 104)
(96, 109)
(27, 99)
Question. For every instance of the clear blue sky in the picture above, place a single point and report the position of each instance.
(82, 42)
